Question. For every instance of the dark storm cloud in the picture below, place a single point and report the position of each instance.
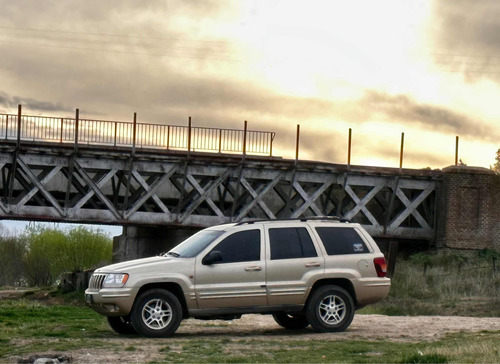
(11, 102)
(405, 109)
(466, 37)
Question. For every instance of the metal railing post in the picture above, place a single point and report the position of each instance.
(349, 145)
(61, 135)
(134, 131)
(6, 126)
(77, 122)
(168, 137)
(297, 144)
(271, 144)
(245, 139)
(220, 141)
(401, 150)
(189, 136)
(19, 112)
(456, 150)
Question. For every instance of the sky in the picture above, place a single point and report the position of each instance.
(430, 69)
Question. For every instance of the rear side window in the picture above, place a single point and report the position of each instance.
(338, 241)
(290, 243)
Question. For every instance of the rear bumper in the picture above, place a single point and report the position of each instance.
(111, 302)
(371, 290)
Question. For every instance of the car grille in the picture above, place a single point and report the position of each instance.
(96, 281)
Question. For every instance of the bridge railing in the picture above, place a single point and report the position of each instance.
(119, 133)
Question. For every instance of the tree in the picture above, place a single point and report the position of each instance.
(12, 252)
(51, 252)
(496, 166)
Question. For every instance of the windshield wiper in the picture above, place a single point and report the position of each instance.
(174, 254)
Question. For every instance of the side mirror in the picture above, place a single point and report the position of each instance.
(212, 257)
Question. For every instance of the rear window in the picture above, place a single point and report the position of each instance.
(338, 240)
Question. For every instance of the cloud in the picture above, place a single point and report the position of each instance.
(405, 109)
(466, 36)
(11, 102)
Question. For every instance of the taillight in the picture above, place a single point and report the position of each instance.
(380, 266)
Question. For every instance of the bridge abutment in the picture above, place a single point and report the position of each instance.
(469, 213)
(144, 241)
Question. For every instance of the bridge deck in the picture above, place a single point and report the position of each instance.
(99, 184)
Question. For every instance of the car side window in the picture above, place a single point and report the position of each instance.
(339, 240)
(243, 246)
(290, 243)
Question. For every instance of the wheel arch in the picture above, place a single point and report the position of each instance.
(340, 282)
(174, 288)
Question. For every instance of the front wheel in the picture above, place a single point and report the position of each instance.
(290, 322)
(156, 313)
(330, 309)
(121, 325)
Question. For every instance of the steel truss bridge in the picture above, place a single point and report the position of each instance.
(114, 185)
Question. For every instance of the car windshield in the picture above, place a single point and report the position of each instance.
(192, 246)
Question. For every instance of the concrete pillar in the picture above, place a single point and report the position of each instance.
(468, 209)
(141, 242)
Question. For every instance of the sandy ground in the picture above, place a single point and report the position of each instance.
(258, 327)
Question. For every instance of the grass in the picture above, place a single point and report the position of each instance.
(30, 327)
(46, 321)
(443, 284)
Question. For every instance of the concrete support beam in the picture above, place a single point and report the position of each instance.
(141, 242)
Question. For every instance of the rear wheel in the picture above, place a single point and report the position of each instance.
(291, 322)
(121, 325)
(330, 309)
(156, 313)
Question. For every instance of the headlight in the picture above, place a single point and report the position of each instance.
(115, 280)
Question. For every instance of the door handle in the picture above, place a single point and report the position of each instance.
(254, 268)
(313, 264)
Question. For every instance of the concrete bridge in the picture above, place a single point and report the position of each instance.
(160, 195)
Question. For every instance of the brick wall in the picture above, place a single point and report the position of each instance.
(468, 209)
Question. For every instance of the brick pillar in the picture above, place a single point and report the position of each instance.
(141, 242)
(468, 209)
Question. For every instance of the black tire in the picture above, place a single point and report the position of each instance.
(156, 313)
(291, 322)
(121, 325)
(330, 309)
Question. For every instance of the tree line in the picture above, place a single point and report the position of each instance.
(39, 255)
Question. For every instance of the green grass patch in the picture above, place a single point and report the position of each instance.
(288, 350)
(452, 283)
(32, 327)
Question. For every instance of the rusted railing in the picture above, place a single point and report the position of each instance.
(118, 133)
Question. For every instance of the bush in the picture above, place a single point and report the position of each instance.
(40, 255)
(12, 253)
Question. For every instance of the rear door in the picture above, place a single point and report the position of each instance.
(292, 262)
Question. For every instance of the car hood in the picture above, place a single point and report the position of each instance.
(144, 263)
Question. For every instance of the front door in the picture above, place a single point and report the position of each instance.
(238, 279)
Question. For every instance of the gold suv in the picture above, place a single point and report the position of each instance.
(314, 271)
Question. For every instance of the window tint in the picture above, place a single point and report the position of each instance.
(243, 246)
(341, 241)
(289, 243)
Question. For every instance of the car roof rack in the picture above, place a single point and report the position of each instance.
(303, 219)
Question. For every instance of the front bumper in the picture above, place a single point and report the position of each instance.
(111, 301)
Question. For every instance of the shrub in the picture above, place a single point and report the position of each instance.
(12, 253)
(51, 252)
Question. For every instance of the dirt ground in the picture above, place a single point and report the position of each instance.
(411, 329)
(258, 327)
